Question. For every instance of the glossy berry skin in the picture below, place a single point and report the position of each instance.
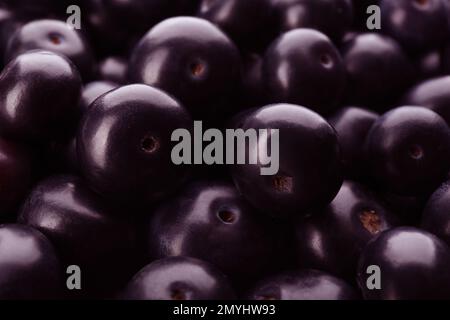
(179, 278)
(93, 90)
(303, 67)
(304, 284)
(126, 137)
(343, 229)
(29, 267)
(85, 231)
(248, 23)
(377, 69)
(46, 89)
(113, 69)
(432, 94)
(408, 150)
(423, 24)
(54, 36)
(334, 18)
(189, 58)
(15, 175)
(413, 263)
(213, 222)
(352, 125)
(309, 174)
(436, 217)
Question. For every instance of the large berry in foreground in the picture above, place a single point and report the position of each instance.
(189, 58)
(124, 143)
(309, 172)
(213, 222)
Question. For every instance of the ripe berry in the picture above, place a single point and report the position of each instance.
(343, 228)
(417, 25)
(408, 150)
(124, 144)
(303, 67)
(213, 222)
(309, 174)
(189, 58)
(54, 36)
(39, 93)
(83, 229)
(179, 278)
(413, 265)
(29, 266)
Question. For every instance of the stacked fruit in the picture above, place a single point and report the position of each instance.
(90, 194)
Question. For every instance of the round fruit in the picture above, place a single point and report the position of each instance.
(343, 229)
(408, 150)
(303, 285)
(417, 25)
(303, 67)
(138, 14)
(55, 36)
(309, 170)
(39, 93)
(124, 144)
(189, 58)
(377, 69)
(213, 222)
(29, 267)
(179, 278)
(413, 264)
(83, 229)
